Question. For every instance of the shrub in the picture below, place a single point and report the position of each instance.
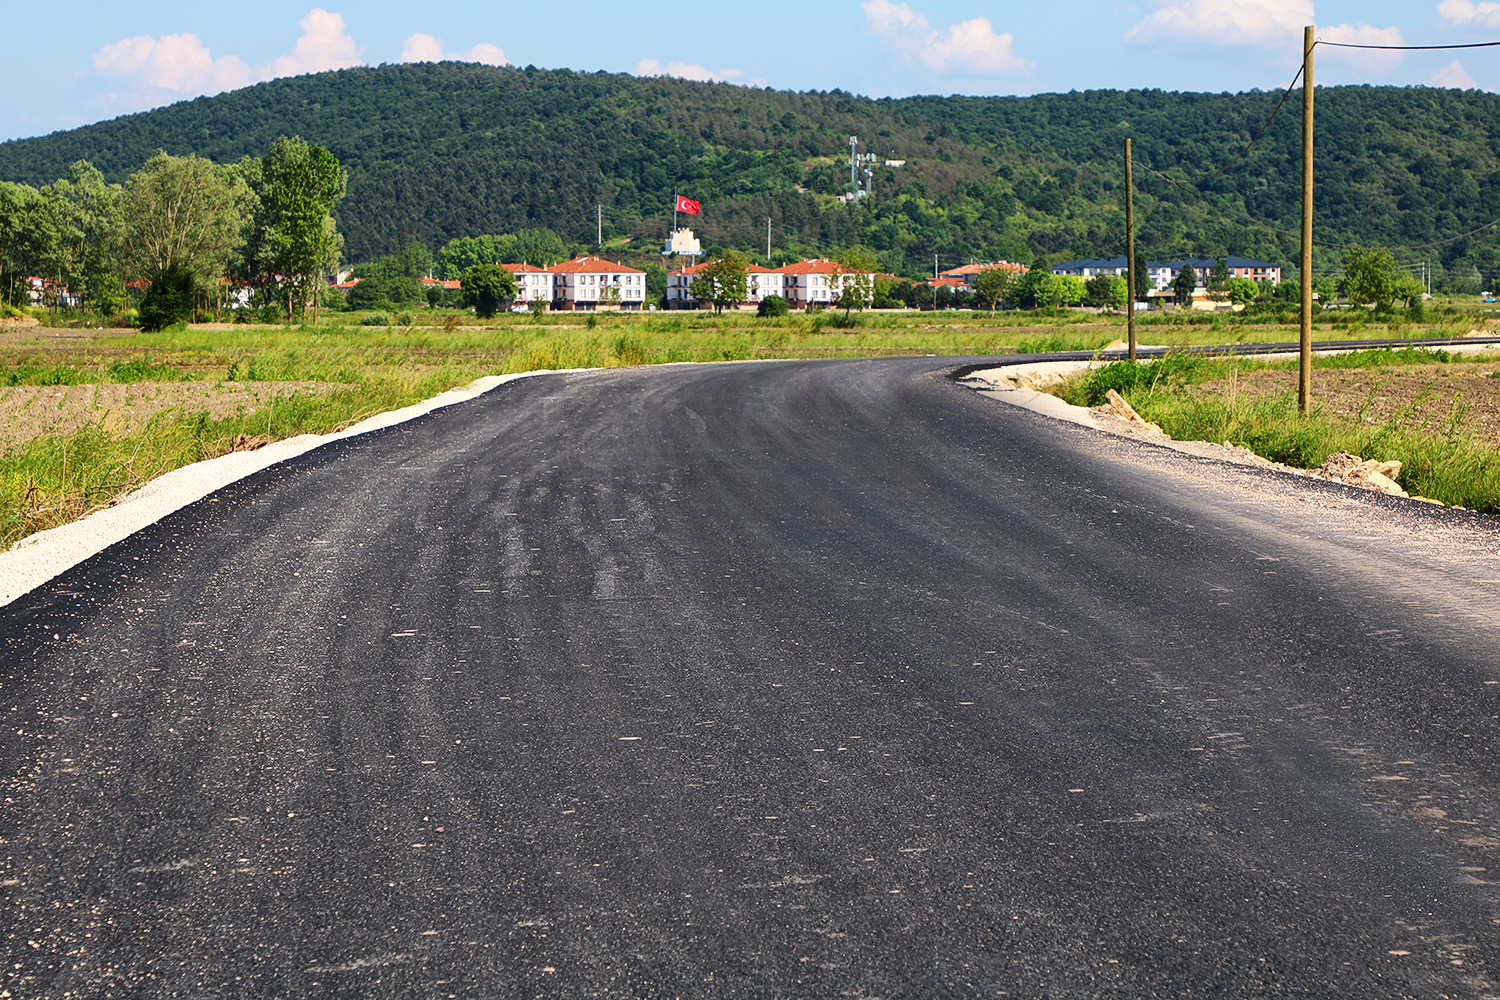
(170, 298)
(773, 306)
(376, 319)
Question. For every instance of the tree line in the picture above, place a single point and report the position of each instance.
(181, 232)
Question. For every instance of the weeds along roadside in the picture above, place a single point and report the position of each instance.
(1440, 459)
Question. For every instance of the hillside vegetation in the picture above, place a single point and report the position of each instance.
(439, 151)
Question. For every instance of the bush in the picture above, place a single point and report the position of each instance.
(773, 306)
(170, 298)
(376, 319)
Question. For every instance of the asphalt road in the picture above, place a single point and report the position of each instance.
(790, 679)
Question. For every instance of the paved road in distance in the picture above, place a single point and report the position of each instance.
(758, 680)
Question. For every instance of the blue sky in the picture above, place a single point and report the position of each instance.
(81, 62)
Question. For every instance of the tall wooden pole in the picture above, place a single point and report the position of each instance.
(1304, 381)
(1130, 249)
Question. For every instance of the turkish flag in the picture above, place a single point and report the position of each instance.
(687, 205)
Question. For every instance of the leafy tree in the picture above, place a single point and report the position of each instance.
(1369, 277)
(724, 280)
(381, 290)
(181, 213)
(1039, 288)
(1218, 280)
(1242, 291)
(1185, 284)
(1143, 283)
(656, 285)
(539, 247)
(293, 240)
(27, 235)
(485, 286)
(994, 284)
(86, 215)
(857, 283)
(463, 253)
(1106, 291)
(1071, 290)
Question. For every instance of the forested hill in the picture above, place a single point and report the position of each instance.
(436, 151)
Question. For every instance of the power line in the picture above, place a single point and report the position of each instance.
(1409, 48)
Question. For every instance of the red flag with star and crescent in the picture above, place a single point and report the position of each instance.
(687, 205)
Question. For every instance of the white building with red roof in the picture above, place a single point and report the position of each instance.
(816, 282)
(963, 277)
(590, 282)
(532, 283)
(761, 282)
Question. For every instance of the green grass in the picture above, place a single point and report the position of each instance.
(1441, 462)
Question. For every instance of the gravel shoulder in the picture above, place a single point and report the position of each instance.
(1462, 395)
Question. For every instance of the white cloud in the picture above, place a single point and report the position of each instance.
(687, 71)
(1227, 22)
(323, 45)
(969, 48)
(1362, 34)
(174, 65)
(426, 48)
(178, 63)
(1469, 14)
(1452, 75)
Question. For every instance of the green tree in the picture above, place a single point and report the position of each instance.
(293, 240)
(1369, 277)
(182, 214)
(27, 236)
(656, 285)
(1185, 284)
(86, 217)
(1106, 291)
(1039, 289)
(994, 284)
(539, 247)
(1143, 283)
(1071, 290)
(857, 283)
(485, 286)
(1218, 280)
(1242, 291)
(723, 280)
(457, 256)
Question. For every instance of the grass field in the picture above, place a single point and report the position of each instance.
(349, 370)
(1436, 412)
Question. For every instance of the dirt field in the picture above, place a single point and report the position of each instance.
(30, 411)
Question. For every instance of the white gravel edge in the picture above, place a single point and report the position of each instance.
(37, 558)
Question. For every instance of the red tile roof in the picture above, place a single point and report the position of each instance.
(592, 265)
(816, 265)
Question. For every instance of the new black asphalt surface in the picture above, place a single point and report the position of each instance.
(826, 679)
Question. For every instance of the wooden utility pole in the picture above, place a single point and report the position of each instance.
(1130, 249)
(1304, 380)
